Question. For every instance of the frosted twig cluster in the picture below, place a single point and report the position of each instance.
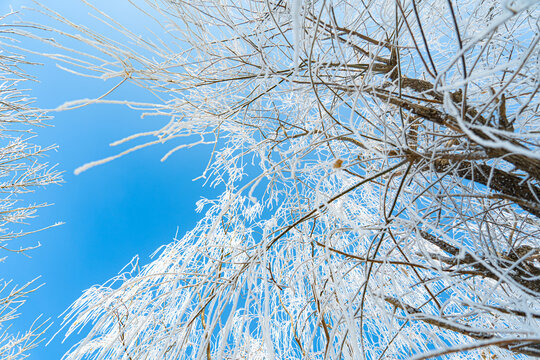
(21, 172)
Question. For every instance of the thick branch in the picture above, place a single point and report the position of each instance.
(524, 272)
(497, 180)
(523, 162)
(527, 347)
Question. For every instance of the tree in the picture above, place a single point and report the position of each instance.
(20, 173)
(380, 170)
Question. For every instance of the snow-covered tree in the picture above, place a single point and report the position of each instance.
(380, 167)
(21, 172)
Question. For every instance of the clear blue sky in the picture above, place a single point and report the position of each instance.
(113, 212)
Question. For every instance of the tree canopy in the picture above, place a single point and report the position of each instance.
(380, 169)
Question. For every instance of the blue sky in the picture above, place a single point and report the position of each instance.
(112, 212)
